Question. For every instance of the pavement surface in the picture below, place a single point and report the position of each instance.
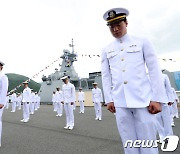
(44, 133)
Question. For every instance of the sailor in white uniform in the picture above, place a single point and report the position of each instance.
(173, 107)
(175, 104)
(97, 99)
(3, 93)
(13, 102)
(81, 100)
(36, 104)
(7, 102)
(127, 89)
(69, 98)
(164, 117)
(54, 101)
(26, 99)
(38, 101)
(59, 99)
(19, 100)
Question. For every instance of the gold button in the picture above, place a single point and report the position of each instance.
(122, 59)
(122, 49)
(125, 82)
(123, 70)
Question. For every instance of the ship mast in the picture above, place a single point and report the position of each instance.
(72, 46)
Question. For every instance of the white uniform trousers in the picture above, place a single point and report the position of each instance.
(81, 103)
(69, 114)
(13, 106)
(55, 106)
(25, 111)
(164, 122)
(36, 106)
(59, 108)
(1, 112)
(32, 107)
(19, 105)
(175, 109)
(7, 105)
(74, 106)
(136, 124)
(98, 110)
(171, 114)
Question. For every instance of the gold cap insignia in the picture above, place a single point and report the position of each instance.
(112, 14)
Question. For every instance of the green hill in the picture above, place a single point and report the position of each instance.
(16, 79)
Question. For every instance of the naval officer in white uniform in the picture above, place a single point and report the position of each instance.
(97, 99)
(19, 100)
(13, 102)
(54, 101)
(81, 100)
(26, 99)
(174, 107)
(59, 99)
(3, 92)
(7, 102)
(69, 98)
(175, 104)
(127, 89)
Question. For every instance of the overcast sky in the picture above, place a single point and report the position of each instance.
(33, 33)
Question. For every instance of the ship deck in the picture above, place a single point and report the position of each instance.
(44, 134)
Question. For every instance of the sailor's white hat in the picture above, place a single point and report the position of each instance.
(115, 14)
(25, 82)
(64, 77)
(95, 83)
(1, 63)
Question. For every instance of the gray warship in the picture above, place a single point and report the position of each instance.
(50, 82)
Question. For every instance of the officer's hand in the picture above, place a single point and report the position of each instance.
(111, 108)
(1, 106)
(72, 103)
(154, 107)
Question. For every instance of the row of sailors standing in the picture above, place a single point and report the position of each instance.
(16, 101)
(67, 98)
(29, 99)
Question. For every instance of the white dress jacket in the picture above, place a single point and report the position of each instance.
(69, 94)
(97, 95)
(124, 75)
(26, 95)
